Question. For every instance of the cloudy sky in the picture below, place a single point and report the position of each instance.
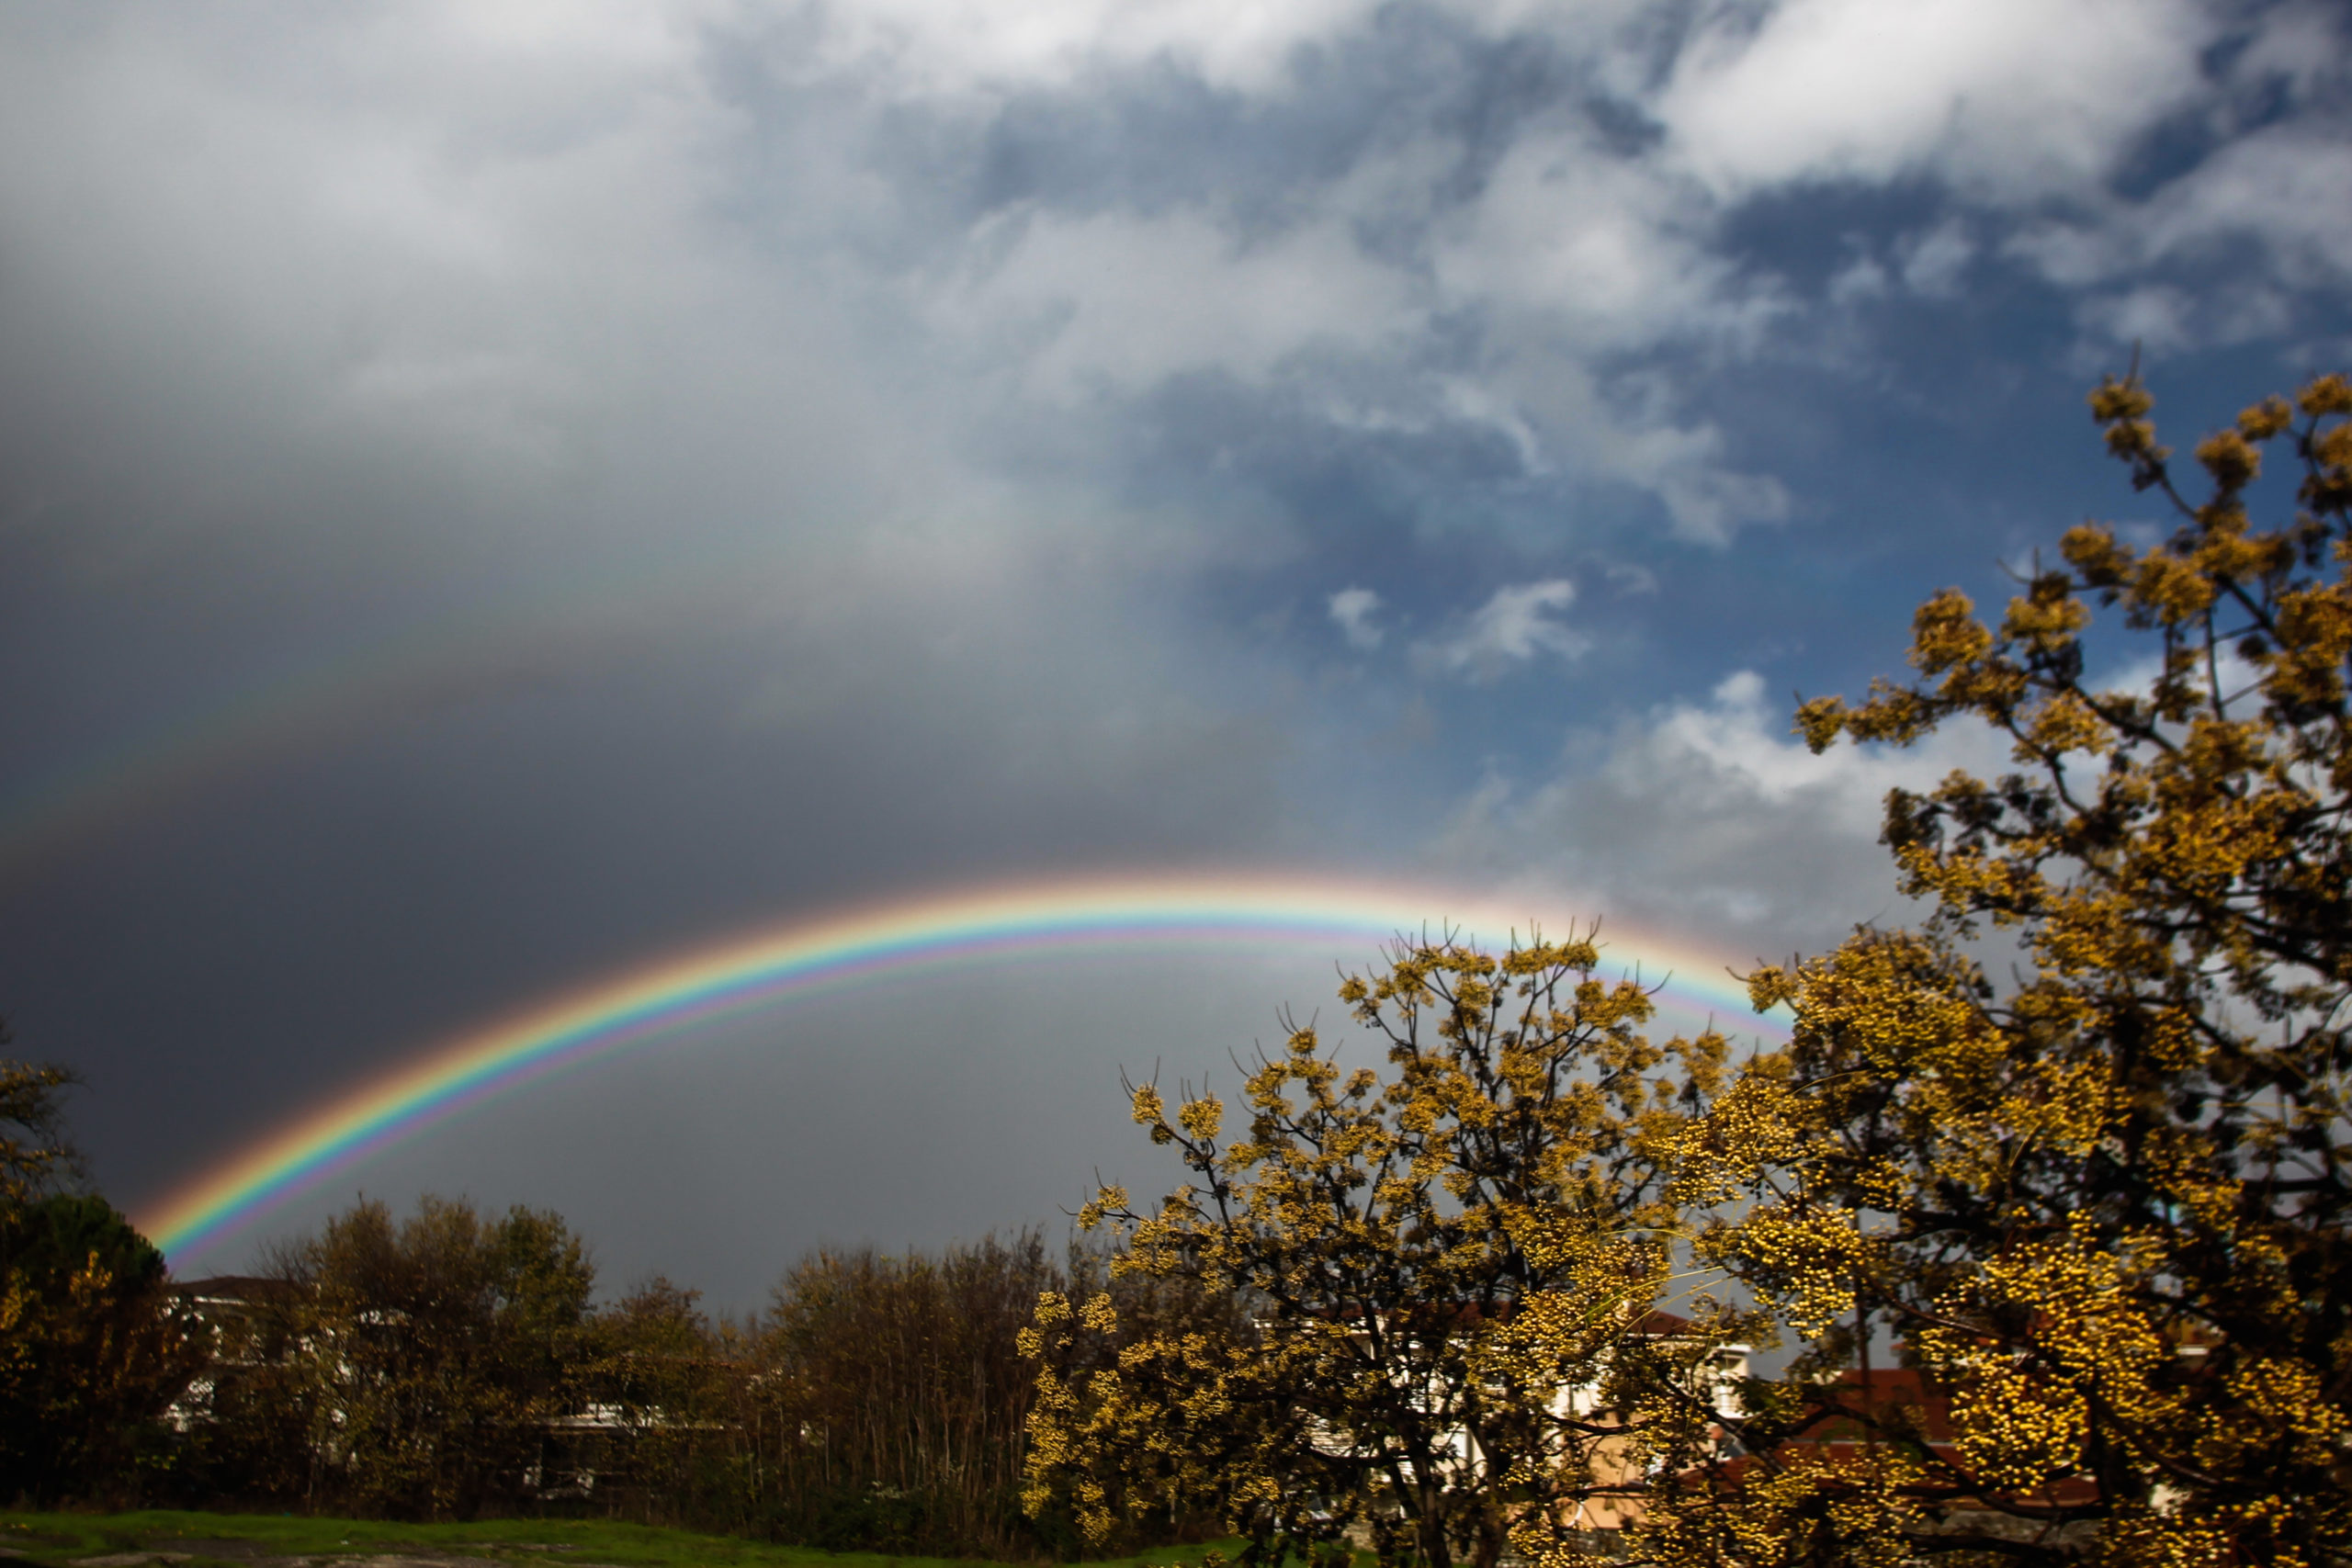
(491, 494)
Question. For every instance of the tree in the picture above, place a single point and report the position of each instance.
(663, 1395)
(89, 1355)
(34, 1151)
(2102, 1200)
(877, 1406)
(899, 1396)
(1449, 1277)
(427, 1358)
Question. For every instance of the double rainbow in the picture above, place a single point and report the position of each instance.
(746, 972)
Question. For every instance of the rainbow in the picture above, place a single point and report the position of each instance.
(248, 727)
(745, 973)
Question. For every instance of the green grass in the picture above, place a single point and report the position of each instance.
(61, 1538)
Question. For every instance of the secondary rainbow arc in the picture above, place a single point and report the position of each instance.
(746, 972)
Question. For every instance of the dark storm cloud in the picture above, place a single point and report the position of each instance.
(487, 495)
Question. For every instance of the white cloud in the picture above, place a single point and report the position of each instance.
(1352, 609)
(1936, 262)
(2306, 46)
(1581, 258)
(2281, 188)
(1711, 820)
(1119, 300)
(971, 47)
(1861, 278)
(1626, 430)
(1511, 629)
(1629, 577)
(1604, 251)
(2157, 317)
(484, 240)
(1575, 260)
(2277, 194)
(2284, 186)
(2008, 97)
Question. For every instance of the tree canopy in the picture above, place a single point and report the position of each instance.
(433, 1351)
(34, 1150)
(90, 1353)
(2080, 1140)
(1451, 1274)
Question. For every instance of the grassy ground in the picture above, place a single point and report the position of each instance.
(63, 1537)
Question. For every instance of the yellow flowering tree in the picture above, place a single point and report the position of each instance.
(1448, 1274)
(2080, 1143)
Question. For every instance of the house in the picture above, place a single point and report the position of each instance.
(239, 1321)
